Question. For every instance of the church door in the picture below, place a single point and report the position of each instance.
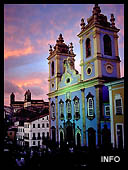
(78, 140)
(53, 134)
(61, 137)
(119, 137)
(106, 136)
(69, 132)
(91, 138)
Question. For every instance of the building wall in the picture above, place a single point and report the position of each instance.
(117, 119)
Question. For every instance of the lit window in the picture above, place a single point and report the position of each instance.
(68, 108)
(76, 108)
(118, 104)
(90, 107)
(61, 103)
(53, 110)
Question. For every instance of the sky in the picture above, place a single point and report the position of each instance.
(28, 31)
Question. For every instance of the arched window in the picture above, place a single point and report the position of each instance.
(88, 48)
(76, 108)
(68, 108)
(90, 106)
(53, 111)
(52, 67)
(61, 104)
(107, 45)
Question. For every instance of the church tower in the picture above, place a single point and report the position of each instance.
(99, 63)
(99, 47)
(12, 98)
(56, 58)
(27, 96)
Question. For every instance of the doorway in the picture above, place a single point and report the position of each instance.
(91, 138)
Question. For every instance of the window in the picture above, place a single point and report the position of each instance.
(68, 80)
(38, 135)
(33, 125)
(34, 143)
(43, 125)
(43, 134)
(118, 105)
(90, 107)
(107, 45)
(47, 124)
(107, 110)
(53, 110)
(76, 108)
(61, 103)
(38, 125)
(68, 108)
(47, 134)
(52, 67)
(88, 48)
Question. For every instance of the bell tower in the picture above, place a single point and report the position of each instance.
(27, 96)
(99, 47)
(12, 98)
(57, 56)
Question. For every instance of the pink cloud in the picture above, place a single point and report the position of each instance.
(37, 83)
(18, 52)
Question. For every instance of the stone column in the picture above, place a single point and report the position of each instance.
(49, 118)
(98, 111)
(111, 116)
(57, 130)
(96, 39)
(82, 58)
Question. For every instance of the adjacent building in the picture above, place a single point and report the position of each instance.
(32, 131)
(116, 101)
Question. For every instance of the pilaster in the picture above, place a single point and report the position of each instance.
(111, 116)
(83, 113)
(57, 130)
(98, 112)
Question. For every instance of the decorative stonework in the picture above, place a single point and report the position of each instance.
(109, 67)
(89, 69)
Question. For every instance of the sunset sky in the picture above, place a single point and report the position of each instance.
(29, 28)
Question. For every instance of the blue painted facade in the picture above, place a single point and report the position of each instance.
(78, 105)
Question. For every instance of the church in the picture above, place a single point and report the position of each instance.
(79, 103)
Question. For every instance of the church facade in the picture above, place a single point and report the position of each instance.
(79, 103)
